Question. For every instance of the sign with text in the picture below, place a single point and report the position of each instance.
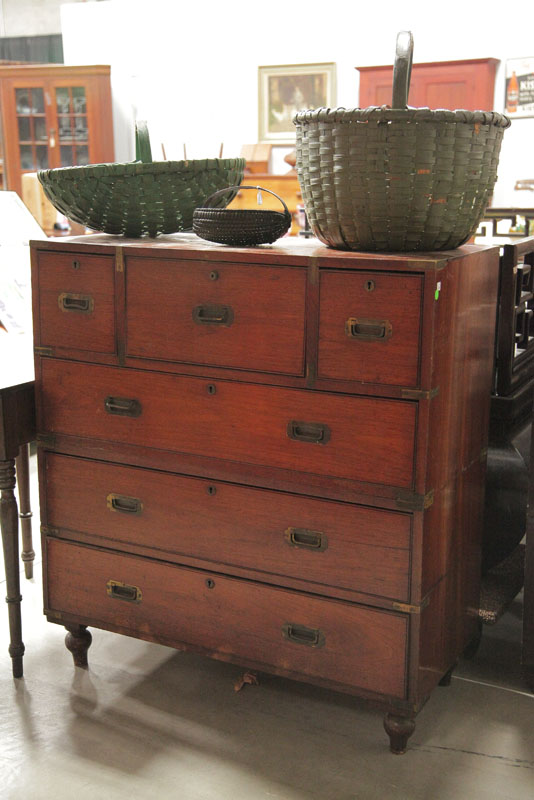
(519, 92)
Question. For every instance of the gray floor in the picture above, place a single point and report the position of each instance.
(148, 722)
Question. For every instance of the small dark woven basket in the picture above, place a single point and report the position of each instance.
(397, 178)
(240, 227)
(139, 198)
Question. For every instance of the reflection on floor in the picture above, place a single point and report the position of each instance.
(149, 722)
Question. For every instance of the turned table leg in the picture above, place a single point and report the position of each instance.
(10, 543)
(399, 730)
(77, 641)
(22, 465)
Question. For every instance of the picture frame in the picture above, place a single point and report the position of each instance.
(519, 87)
(285, 89)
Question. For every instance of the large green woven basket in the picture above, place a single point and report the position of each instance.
(397, 178)
(140, 198)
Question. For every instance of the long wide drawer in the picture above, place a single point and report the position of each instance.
(358, 438)
(334, 544)
(228, 315)
(294, 633)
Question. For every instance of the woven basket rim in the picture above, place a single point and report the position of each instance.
(133, 168)
(264, 212)
(387, 114)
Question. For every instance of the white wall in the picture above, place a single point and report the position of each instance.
(191, 69)
(30, 17)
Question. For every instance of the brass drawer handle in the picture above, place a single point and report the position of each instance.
(213, 315)
(124, 591)
(368, 329)
(123, 406)
(316, 541)
(82, 303)
(300, 634)
(124, 504)
(310, 432)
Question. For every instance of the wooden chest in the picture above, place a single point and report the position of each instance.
(273, 456)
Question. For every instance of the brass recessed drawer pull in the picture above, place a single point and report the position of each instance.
(368, 329)
(300, 634)
(311, 432)
(123, 591)
(82, 303)
(213, 315)
(123, 406)
(311, 540)
(124, 504)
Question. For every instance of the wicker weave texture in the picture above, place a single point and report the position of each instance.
(397, 180)
(139, 199)
(240, 228)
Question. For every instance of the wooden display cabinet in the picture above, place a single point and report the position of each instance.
(443, 84)
(54, 116)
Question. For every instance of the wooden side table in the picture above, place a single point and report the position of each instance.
(17, 429)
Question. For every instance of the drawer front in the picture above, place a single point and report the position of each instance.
(222, 315)
(369, 327)
(336, 544)
(77, 301)
(364, 439)
(290, 631)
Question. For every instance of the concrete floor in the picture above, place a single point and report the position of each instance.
(149, 722)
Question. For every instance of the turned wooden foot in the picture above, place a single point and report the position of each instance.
(77, 641)
(446, 680)
(22, 463)
(472, 648)
(399, 730)
(528, 675)
(10, 542)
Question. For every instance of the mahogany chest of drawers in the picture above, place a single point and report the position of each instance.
(273, 456)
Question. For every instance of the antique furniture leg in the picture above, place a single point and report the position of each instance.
(10, 542)
(399, 730)
(78, 640)
(22, 464)
(446, 680)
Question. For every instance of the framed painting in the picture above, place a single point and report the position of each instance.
(283, 90)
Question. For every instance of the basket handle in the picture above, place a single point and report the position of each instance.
(142, 142)
(258, 188)
(402, 70)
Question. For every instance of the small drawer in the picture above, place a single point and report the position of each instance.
(370, 327)
(291, 632)
(77, 301)
(209, 313)
(358, 438)
(334, 544)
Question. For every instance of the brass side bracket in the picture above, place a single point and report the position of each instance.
(410, 501)
(46, 440)
(47, 531)
(119, 259)
(418, 394)
(408, 608)
(43, 351)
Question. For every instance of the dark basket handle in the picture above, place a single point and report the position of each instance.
(142, 142)
(258, 188)
(402, 70)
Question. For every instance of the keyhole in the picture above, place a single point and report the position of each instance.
(210, 583)
(212, 490)
(75, 265)
(369, 286)
(211, 388)
(214, 275)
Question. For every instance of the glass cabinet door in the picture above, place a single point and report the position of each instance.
(32, 129)
(73, 131)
